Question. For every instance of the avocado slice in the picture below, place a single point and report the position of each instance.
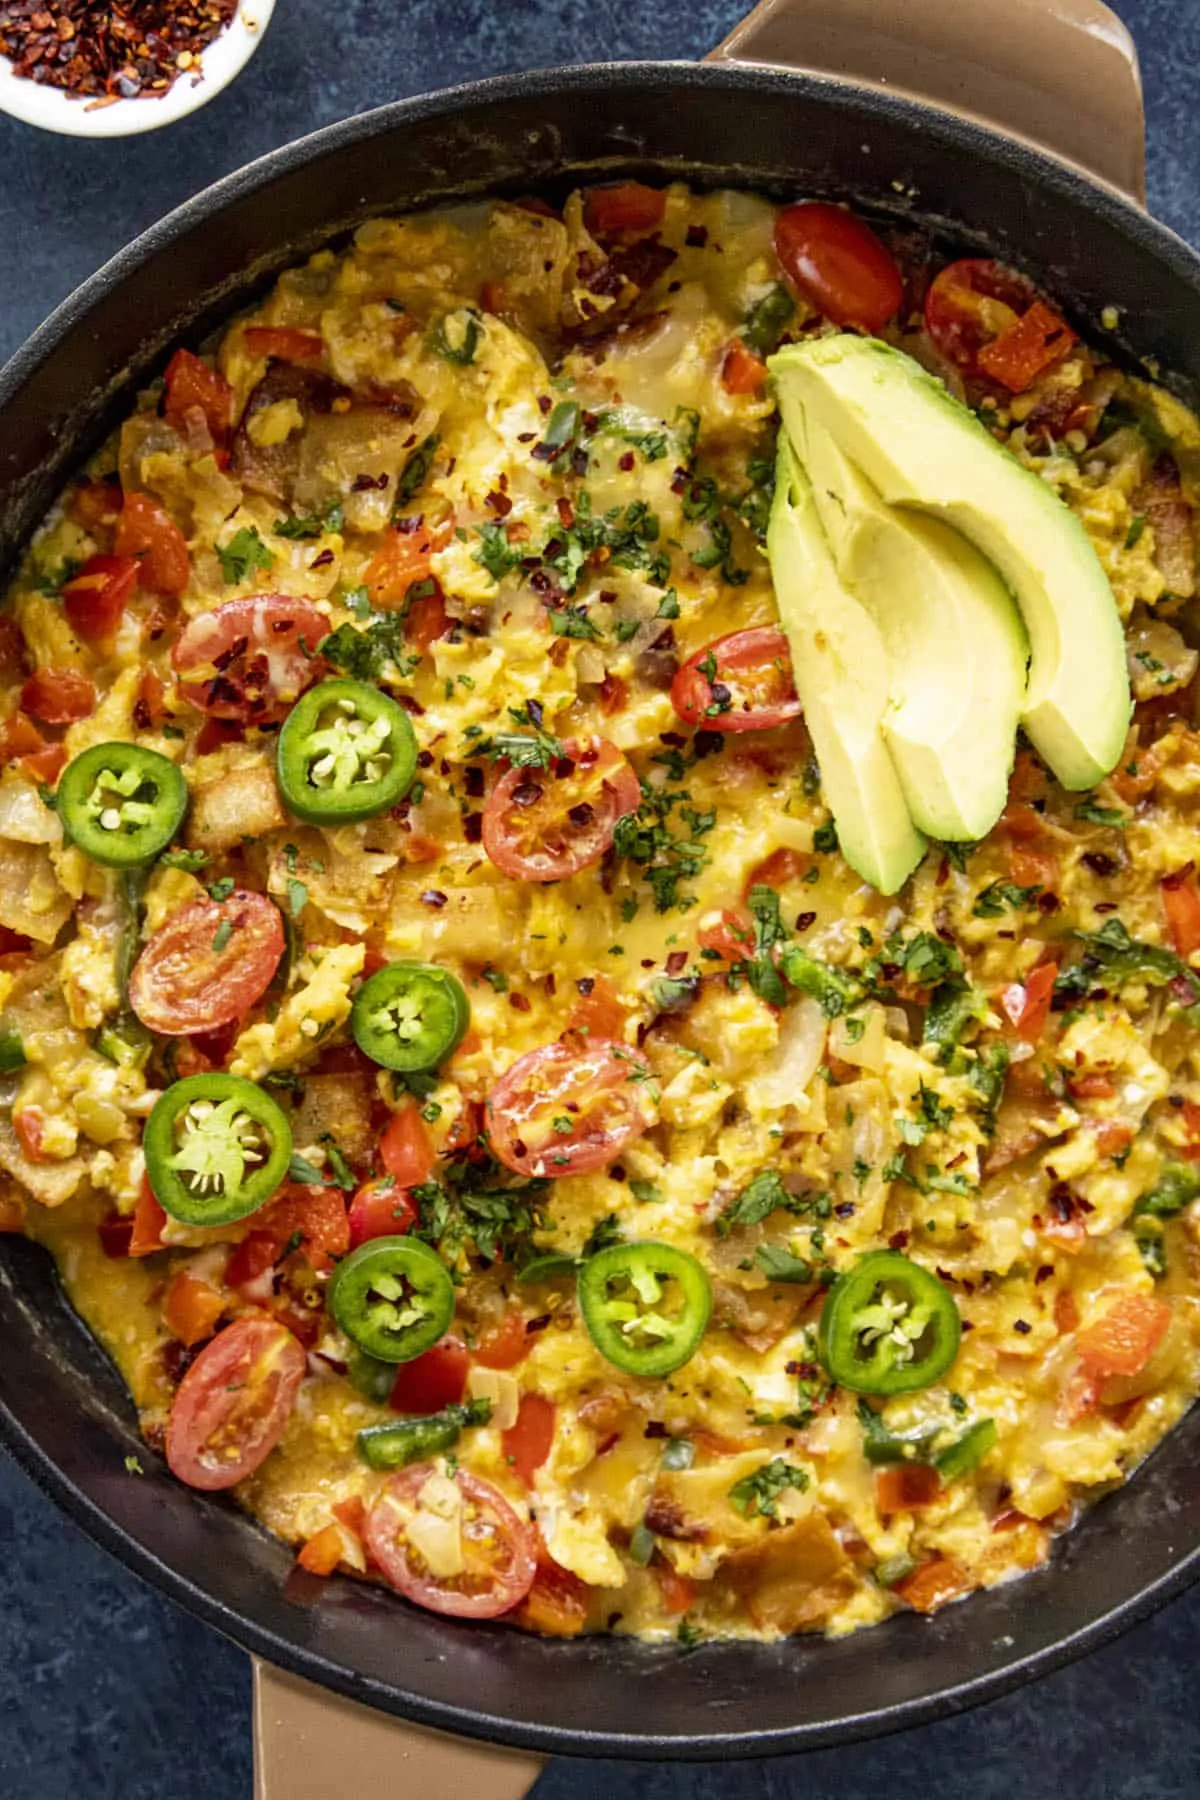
(955, 643)
(920, 448)
(841, 673)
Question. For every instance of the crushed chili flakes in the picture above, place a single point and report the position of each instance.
(136, 50)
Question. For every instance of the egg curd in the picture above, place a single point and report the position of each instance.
(506, 1280)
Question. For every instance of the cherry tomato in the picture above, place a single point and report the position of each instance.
(435, 1379)
(742, 682)
(251, 659)
(506, 1344)
(380, 1209)
(147, 532)
(623, 206)
(233, 1404)
(190, 384)
(207, 965)
(284, 342)
(970, 304)
(527, 1444)
(406, 1148)
(1123, 1339)
(741, 371)
(58, 696)
(95, 599)
(839, 264)
(543, 826)
(497, 1548)
(568, 1107)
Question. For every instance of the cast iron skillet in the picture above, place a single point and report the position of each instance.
(63, 1412)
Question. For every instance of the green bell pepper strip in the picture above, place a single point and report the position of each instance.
(410, 1016)
(393, 1297)
(121, 804)
(645, 1305)
(887, 1326)
(415, 1440)
(346, 752)
(12, 1052)
(217, 1148)
(966, 1452)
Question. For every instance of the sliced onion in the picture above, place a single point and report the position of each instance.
(784, 1077)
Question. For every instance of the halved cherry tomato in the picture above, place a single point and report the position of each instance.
(598, 1013)
(233, 1404)
(729, 934)
(623, 206)
(380, 1209)
(974, 305)
(147, 532)
(251, 659)
(191, 1308)
(741, 371)
(315, 1215)
(402, 558)
(497, 1548)
(58, 696)
(190, 383)
(284, 342)
(678, 1593)
(544, 826)
(906, 1488)
(839, 264)
(935, 1584)
(557, 1603)
(527, 1444)
(427, 620)
(1024, 349)
(207, 965)
(406, 1148)
(1123, 1339)
(1027, 1005)
(506, 1344)
(435, 1379)
(149, 1220)
(95, 599)
(778, 869)
(566, 1108)
(1181, 903)
(742, 682)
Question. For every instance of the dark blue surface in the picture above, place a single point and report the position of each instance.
(106, 1691)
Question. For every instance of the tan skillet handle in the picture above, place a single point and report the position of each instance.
(1061, 74)
(311, 1745)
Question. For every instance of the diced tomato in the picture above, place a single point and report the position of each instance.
(322, 1553)
(1066, 1312)
(678, 1593)
(527, 1444)
(1078, 1398)
(406, 1149)
(255, 1254)
(621, 206)
(46, 765)
(427, 621)
(1027, 1005)
(730, 935)
(30, 1127)
(58, 696)
(402, 558)
(741, 371)
(935, 1584)
(191, 383)
(906, 1488)
(599, 1012)
(146, 531)
(1021, 352)
(191, 1308)
(1123, 1339)
(433, 1380)
(95, 599)
(215, 732)
(380, 1209)
(1181, 903)
(506, 1344)
(149, 709)
(557, 1603)
(284, 342)
(149, 1219)
(19, 736)
(778, 869)
(316, 1214)
(839, 264)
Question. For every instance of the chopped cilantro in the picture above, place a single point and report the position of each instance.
(244, 555)
(759, 1493)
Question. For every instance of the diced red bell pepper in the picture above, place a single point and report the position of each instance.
(621, 206)
(1181, 903)
(506, 1344)
(433, 1380)
(190, 382)
(1018, 356)
(1124, 1338)
(95, 599)
(58, 696)
(527, 1444)
(741, 371)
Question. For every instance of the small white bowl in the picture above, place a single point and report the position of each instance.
(52, 109)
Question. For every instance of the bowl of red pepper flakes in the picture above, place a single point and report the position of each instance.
(90, 70)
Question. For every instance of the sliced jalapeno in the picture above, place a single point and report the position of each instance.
(645, 1306)
(415, 1440)
(888, 1326)
(121, 804)
(346, 752)
(393, 1296)
(217, 1147)
(410, 1016)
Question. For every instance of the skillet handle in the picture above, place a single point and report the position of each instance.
(1061, 74)
(313, 1745)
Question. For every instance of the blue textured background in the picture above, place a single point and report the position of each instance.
(106, 1691)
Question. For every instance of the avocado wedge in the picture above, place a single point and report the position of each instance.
(955, 643)
(921, 449)
(841, 674)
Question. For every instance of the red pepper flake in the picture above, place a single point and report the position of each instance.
(133, 50)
